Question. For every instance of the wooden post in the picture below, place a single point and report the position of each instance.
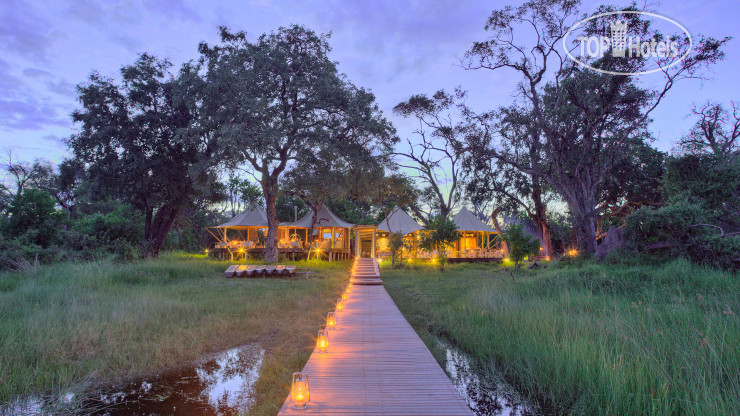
(357, 241)
(373, 249)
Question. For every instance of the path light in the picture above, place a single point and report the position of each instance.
(299, 391)
(331, 320)
(340, 305)
(344, 295)
(573, 252)
(322, 342)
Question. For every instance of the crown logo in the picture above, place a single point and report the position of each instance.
(619, 38)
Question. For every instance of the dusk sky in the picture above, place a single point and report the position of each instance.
(394, 48)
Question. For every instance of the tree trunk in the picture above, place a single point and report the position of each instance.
(540, 218)
(271, 252)
(494, 219)
(585, 229)
(159, 228)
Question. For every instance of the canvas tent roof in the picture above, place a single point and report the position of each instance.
(467, 221)
(254, 216)
(324, 218)
(399, 221)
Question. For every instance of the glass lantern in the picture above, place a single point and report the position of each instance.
(299, 396)
(331, 320)
(322, 342)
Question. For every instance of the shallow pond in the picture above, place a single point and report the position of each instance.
(220, 385)
(484, 395)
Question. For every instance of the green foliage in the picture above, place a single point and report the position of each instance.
(397, 244)
(520, 243)
(699, 217)
(132, 138)
(34, 219)
(441, 233)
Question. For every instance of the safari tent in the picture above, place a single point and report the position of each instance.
(398, 221)
(330, 233)
(476, 238)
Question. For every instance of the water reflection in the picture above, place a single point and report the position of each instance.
(485, 396)
(222, 385)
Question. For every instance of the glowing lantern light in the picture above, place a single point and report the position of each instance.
(344, 295)
(299, 391)
(340, 305)
(331, 320)
(322, 342)
(572, 252)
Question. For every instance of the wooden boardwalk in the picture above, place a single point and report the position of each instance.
(376, 365)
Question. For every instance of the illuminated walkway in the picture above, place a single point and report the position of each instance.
(376, 365)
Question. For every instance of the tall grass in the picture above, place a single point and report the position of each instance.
(591, 339)
(72, 326)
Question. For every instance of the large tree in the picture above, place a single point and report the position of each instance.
(585, 117)
(435, 155)
(273, 102)
(493, 179)
(715, 132)
(129, 139)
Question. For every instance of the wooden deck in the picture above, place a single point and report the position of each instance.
(376, 365)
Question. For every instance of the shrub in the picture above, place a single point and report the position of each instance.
(34, 219)
(520, 244)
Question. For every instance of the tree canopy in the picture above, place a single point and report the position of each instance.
(277, 101)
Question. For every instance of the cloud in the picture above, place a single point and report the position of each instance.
(36, 73)
(24, 33)
(30, 114)
(54, 140)
(173, 8)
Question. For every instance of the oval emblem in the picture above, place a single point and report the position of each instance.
(620, 43)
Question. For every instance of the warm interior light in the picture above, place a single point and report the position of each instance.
(340, 305)
(331, 320)
(299, 395)
(322, 342)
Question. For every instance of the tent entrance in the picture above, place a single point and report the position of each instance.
(365, 241)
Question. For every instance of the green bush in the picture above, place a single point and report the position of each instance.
(520, 244)
(676, 230)
(34, 219)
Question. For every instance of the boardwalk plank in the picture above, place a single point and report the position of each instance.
(376, 365)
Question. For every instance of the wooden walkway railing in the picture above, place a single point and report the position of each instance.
(376, 365)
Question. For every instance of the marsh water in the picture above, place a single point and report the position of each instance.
(485, 395)
(223, 384)
(220, 385)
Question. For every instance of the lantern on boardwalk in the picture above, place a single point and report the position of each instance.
(299, 391)
(340, 305)
(331, 320)
(322, 342)
(344, 295)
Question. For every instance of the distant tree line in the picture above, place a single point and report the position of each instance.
(162, 153)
